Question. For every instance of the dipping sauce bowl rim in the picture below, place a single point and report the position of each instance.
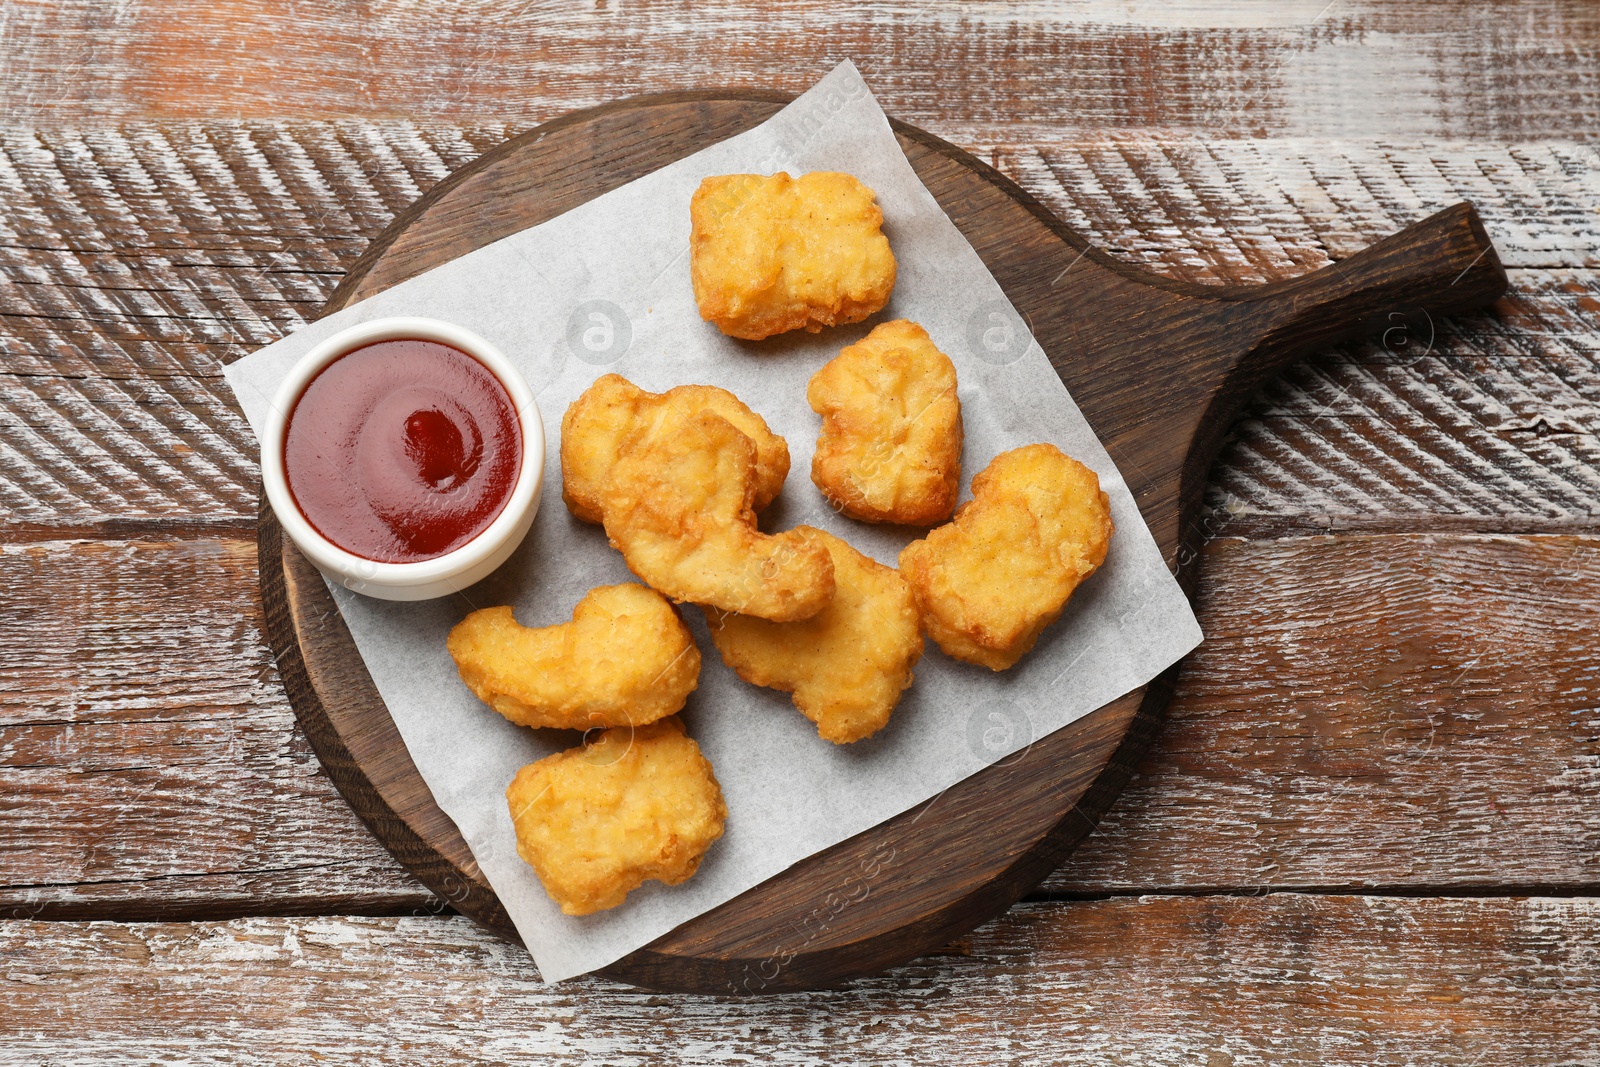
(358, 571)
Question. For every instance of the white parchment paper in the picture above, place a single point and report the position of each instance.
(606, 287)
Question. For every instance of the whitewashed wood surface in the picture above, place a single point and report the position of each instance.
(157, 253)
(1279, 979)
(1385, 857)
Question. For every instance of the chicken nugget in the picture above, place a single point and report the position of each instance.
(624, 659)
(890, 448)
(771, 254)
(596, 822)
(613, 413)
(678, 508)
(988, 582)
(848, 664)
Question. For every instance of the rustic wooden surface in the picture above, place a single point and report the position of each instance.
(1208, 346)
(1285, 978)
(1374, 807)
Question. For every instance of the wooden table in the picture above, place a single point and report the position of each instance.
(1370, 831)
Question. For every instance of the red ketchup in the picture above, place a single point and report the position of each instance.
(400, 451)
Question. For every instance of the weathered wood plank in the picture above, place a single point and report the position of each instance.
(1290, 67)
(1429, 704)
(134, 261)
(149, 759)
(131, 260)
(1493, 419)
(1210, 210)
(1498, 421)
(150, 767)
(1287, 978)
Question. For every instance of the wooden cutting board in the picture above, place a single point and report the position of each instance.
(1158, 367)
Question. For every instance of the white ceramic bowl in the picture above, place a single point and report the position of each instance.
(456, 569)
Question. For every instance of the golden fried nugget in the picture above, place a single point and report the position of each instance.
(613, 414)
(848, 664)
(988, 582)
(890, 448)
(678, 508)
(624, 659)
(597, 821)
(770, 254)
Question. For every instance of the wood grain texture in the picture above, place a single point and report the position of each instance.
(1278, 67)
(1315, 448)
(135, 261)
(1021, 817)
(148, 759)
(1428, 703)
(1465, 757)
(1286, 978)
(1210, 345)
(132, 260)
(229, 209)
(127, 273)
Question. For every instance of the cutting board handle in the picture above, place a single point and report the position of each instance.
(1394, 290)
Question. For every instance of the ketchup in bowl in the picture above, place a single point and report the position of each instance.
(401, 451)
